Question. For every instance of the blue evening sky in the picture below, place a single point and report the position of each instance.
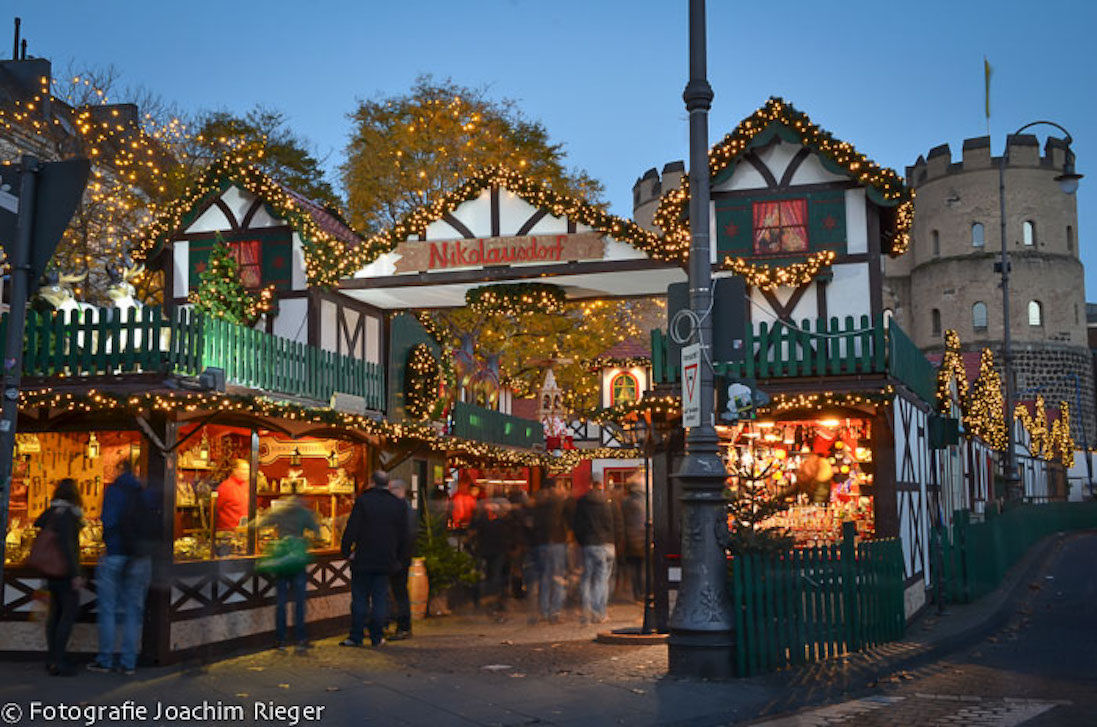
(894, 79)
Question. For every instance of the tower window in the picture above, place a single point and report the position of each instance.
(1028, 233)
(1070, 238)
(1035, 313)
(936, 243)
(979, 316)
(625, 388)
(977, 235)
(935, 317)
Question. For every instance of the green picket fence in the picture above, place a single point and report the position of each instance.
(973, 559)
(804, 605)
(824, 347)
(76, 344)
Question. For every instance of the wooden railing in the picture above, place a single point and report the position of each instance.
(799, 606)
(98, 343)
(486, 425)
(824, 348)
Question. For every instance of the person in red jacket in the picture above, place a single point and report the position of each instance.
(232, 497)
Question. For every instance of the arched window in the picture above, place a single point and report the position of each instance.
(979, 316)
(625, 389)
(1028, 233)
(935, 317)
(977, 235)
(1035, 313)
(936, 243)
(1070, 239)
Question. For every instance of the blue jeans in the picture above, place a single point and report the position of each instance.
(298, 582)
(121, 584)
(552, 570)
(369, 600)
(597, 568)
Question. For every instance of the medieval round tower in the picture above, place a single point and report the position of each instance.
(948, 278)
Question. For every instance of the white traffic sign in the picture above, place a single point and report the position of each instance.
(691, 385)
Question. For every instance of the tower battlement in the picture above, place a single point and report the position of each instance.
(648, 189)
(1023, 151)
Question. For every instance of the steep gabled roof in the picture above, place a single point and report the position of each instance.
(535, 193)
(326, 237)
(778, 119)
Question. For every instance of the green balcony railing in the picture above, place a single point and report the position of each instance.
(98, 343)
(486, 425)
(825, 347)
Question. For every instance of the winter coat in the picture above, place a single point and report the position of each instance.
(594, 521)
(551, 514)
(65, 519)
(291, 520)
(376, 536)
(116, 501)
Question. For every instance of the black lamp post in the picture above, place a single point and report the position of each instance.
(701, 626)
(1068, 183)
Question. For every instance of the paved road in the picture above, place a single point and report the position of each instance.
(1039, 671)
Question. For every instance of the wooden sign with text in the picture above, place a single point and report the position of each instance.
(433, 255)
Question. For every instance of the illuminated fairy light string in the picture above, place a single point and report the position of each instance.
(1049, 442)
(765, 277)
(516, 299)
(422, 379)
(671, 216)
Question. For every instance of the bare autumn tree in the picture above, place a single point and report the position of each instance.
(408, 149)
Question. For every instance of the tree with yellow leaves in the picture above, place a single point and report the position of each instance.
(411, 148)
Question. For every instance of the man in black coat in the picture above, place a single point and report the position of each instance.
(596, 530)
(374, 540)
(399, 579)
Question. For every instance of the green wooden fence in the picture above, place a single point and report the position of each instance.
(76, 344)
(800, 606)
(485, 425)
(825, 347)
(974, 558)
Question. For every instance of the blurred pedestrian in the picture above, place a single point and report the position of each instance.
(374, 540)
(550, 537)
(595, 530)
(491, 527)
(398, 581)
(290, 518)
(65, 518)
(130, 531)
(635, 522)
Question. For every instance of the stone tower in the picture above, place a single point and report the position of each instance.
(948, 277)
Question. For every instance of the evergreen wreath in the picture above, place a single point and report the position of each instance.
(422, 376)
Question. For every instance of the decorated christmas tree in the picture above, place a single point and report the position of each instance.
(222, 294)
(753, 501)
(984, 414)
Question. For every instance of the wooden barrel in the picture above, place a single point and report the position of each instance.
(418, 588)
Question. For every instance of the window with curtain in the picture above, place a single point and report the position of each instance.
(1035, 313)
(977, 235)
(979, 316)
(247, 259)
(1028, 233)
(935, 317)
(780, 226)
(625, 388)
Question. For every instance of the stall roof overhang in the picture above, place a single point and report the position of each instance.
(580, 280)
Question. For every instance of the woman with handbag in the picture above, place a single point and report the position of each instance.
(58, 558)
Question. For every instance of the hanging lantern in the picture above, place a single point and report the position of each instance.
(93, 447)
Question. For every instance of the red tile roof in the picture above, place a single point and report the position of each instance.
(630, 348)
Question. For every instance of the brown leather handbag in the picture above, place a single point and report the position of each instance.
(46, 556)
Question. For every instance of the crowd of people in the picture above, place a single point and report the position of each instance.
(553, 549)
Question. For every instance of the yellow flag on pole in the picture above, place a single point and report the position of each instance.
(986, 73)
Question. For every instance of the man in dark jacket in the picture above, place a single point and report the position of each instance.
(125, 570)
(550, 537)
(596, 531)
(375, 538)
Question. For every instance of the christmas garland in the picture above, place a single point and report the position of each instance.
(951, 369)
(764, 277)
(422, 377)
(672, 213)
(1051, 442)
(517, 299)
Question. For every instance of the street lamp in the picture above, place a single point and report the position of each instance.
(1068, 183)
(702, 639)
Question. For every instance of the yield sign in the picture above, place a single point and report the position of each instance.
(691, 373)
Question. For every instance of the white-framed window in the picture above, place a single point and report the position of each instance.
(1028, 233)
(625, 388)
(979, 316)
(978, 235)
(1035, 313)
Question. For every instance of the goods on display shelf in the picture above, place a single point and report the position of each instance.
(823, 468)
